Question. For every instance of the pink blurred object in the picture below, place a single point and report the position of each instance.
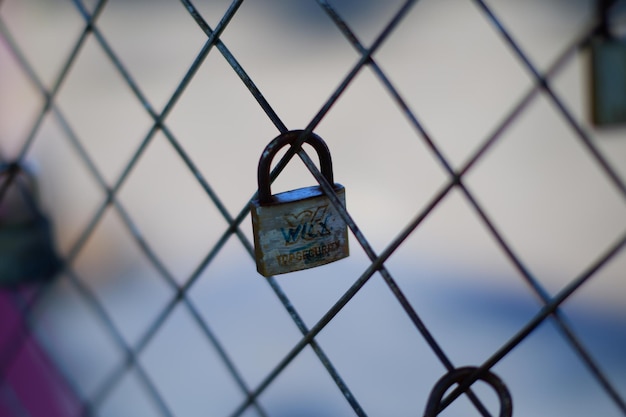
(30, 385)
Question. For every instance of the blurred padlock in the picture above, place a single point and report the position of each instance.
(458, 376)
(297, 229)
(608, 81)
(608, 70)
(27, 252)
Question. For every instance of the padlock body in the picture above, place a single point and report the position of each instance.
(299, 229)
(27, 253)
(608, 81)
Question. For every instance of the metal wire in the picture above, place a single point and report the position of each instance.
(131, 353)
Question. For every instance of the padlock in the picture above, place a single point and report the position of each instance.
(27, 252)
(608, 80)
(297, 229)
(457, 376)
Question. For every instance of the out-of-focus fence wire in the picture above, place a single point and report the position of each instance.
(21, 336)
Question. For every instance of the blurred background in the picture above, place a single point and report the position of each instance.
(539, 185)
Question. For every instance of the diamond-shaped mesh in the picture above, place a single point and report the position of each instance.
(159, 310)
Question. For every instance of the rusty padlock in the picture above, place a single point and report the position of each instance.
(297, 229)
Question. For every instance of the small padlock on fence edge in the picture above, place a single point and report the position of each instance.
(608, 81)
(607, 62)
(298, 229)
(27, 250)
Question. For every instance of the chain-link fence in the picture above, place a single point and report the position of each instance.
(481, 204)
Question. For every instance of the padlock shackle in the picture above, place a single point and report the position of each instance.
(602, 11)
(457, 376)
(284, 139)
(11, 174)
